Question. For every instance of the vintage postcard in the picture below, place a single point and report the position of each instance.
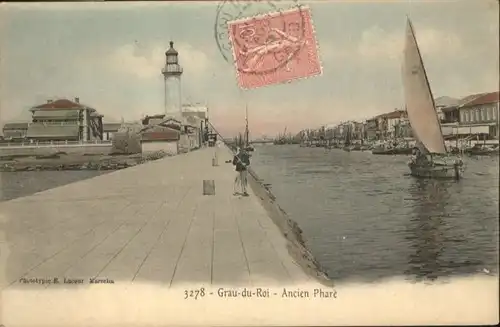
(248, 163)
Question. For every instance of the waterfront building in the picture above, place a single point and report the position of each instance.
(162, 136)
(15, 132)
(160, 128)
(475, 116)
(388, 124)
(196, 119)
(64, 120)
(442, 103)
(372, 128)
(481, 115)
(329, 131)
(358, 130)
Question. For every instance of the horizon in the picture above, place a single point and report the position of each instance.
(114, 64)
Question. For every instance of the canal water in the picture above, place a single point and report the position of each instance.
(365, 219)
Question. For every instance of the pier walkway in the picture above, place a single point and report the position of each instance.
(148, 223)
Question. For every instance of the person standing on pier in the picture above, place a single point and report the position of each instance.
(241, 160)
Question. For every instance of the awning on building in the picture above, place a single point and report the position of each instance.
(13, 134)
(15, 126)
(53, 132)
(111, 127)
(56, 114)
(465, 130)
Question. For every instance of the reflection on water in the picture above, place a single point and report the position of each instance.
(364, 218)
(425, 229)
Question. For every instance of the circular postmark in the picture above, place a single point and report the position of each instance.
(264, 31)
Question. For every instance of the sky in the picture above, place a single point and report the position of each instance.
(110, 55)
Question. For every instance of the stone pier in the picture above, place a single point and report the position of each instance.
(149, 224)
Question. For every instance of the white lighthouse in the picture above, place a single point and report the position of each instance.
(172, 75)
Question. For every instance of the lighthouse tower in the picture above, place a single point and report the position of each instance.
(172, 76)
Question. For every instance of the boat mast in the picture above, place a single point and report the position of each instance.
(247, 132)
(425, 76)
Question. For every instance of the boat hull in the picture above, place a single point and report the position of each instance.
(394, 151)
(482, 152)
(448, 171)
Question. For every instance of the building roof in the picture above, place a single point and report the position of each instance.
(61, 104)
(146, 120)
(171, 123)
(8, 126)
(159, 133)
(445, 101)
(14, 134)
(51, 131)
(392, 114)
(469, 98)
(171, 50)
(484, 98)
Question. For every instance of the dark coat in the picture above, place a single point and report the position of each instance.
(241, 161)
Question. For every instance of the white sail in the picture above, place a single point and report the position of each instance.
(419, 100)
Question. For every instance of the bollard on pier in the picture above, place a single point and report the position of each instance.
(208, 187)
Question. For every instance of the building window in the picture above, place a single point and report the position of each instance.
(483, 113)
(495, 112)
(488, 113)
(467, 116)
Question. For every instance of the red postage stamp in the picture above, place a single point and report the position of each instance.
(274, 48)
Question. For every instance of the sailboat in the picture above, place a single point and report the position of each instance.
(431, 158)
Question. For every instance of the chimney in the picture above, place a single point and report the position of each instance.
(49, 101)
(77, 100)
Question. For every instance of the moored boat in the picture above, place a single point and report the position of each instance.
(382, 151)
(482, 150)
(347, 148)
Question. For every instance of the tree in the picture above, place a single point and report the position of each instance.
(126, 142)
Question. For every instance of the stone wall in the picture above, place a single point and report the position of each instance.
(170, 148)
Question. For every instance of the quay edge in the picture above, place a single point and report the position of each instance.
(291, 231)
